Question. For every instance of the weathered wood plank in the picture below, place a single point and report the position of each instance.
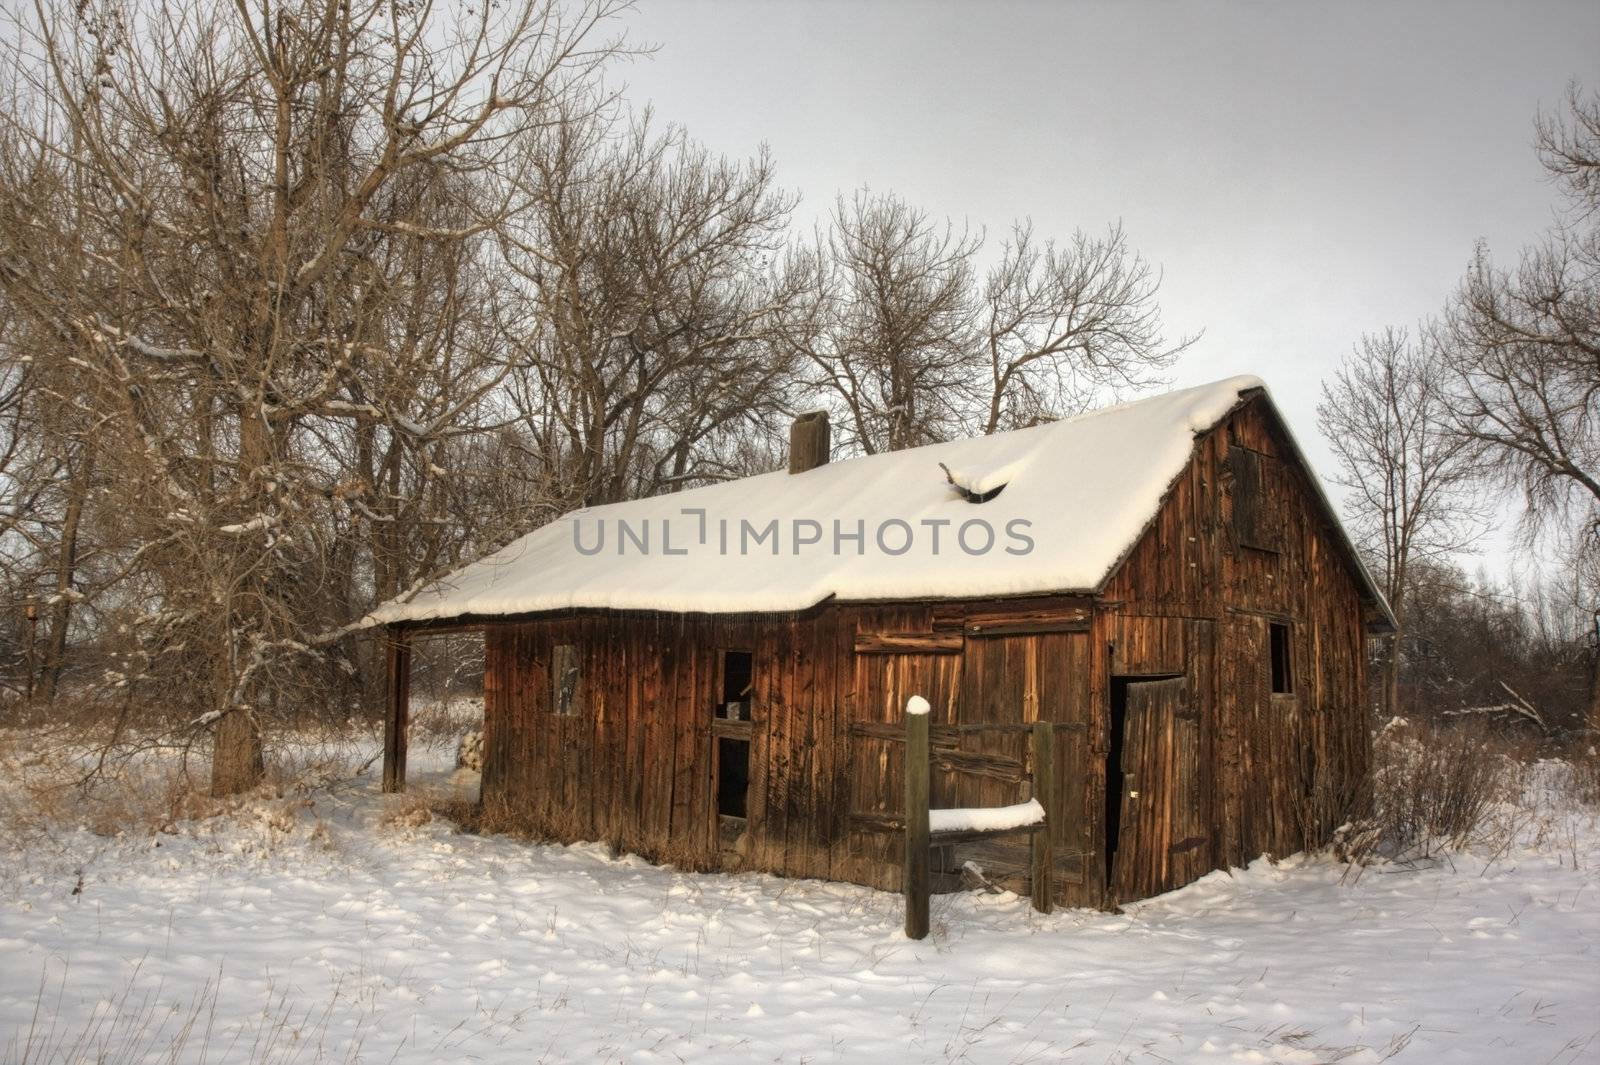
(972, 835)
(1044, 792)
(1027, 624)
(895, 643)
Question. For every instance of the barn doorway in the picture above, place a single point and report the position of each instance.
(1153, 827)
(445, 728)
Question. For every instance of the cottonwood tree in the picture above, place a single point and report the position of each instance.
(26, 476)
(916, 344)
(644, 344)
(894, 329)
(1524, 345)
(262, 232)
(47, 481)
(1063, 323)
(1386, 415)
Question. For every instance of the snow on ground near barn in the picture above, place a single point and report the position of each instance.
(296, 942)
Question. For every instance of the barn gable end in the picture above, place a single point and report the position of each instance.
(1243, 553)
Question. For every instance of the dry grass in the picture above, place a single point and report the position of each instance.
(1581, 762)
(441, 723)
(57, 782)
(66, 776)
(1436, 789)
(490, 817)
(138, 1024)
(406, 811)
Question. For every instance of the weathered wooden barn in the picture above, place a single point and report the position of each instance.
(718, 678)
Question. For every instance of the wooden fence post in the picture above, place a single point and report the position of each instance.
(917, 858)
(1044, 791)
(397, 711)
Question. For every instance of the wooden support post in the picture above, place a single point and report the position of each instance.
(1044, 791)
(398, 710)
(917, 856)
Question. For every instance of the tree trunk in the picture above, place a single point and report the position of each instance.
(1391, 676)
(236, 755)
(1594, 692)
(66, 569)
(236, 759)
(1397, 607)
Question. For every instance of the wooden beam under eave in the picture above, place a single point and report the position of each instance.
(397, 713)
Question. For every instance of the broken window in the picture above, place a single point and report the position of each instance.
(732, 729)
(737, 680)
(564, 678)
(733, 776)
(1282, 673)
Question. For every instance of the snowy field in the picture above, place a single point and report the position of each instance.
(342, 926)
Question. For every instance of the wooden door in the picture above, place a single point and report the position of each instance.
(875, 787)
(1020, 679)
(1161, 841)
(884, 683)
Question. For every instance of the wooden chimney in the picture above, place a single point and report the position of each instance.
(809, 441)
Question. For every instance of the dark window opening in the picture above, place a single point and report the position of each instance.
(737, 681)
(731, 728)
(1282, 673)
(564, 676)
(733, 776)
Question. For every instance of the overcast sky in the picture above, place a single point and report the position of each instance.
(1301, 172)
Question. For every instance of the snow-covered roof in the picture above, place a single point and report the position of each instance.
(1077, 495)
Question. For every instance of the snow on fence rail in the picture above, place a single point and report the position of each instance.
(986, 818)
(926, 829)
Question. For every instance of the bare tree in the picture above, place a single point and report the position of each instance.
(644, 344)
(304, 303)
(1386, 415)
(262, 229)
(896, 327)
(1063, 323)
(916, 346)
(1524, 345)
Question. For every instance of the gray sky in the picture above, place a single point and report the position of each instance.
(1301, 172)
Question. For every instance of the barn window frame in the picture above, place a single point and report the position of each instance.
(1280, 658)
(734, 663)
(566, 679)
(731, 739)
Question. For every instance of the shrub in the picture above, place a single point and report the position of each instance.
(1434, 788)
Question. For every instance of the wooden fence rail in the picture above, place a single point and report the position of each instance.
(921, 758)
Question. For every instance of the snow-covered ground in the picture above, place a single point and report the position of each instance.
(338, 928)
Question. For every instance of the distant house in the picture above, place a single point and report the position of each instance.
(718, 678)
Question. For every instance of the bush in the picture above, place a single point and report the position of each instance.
(1434, 789)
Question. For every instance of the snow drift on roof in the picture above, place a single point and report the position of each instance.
(1078, 493)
